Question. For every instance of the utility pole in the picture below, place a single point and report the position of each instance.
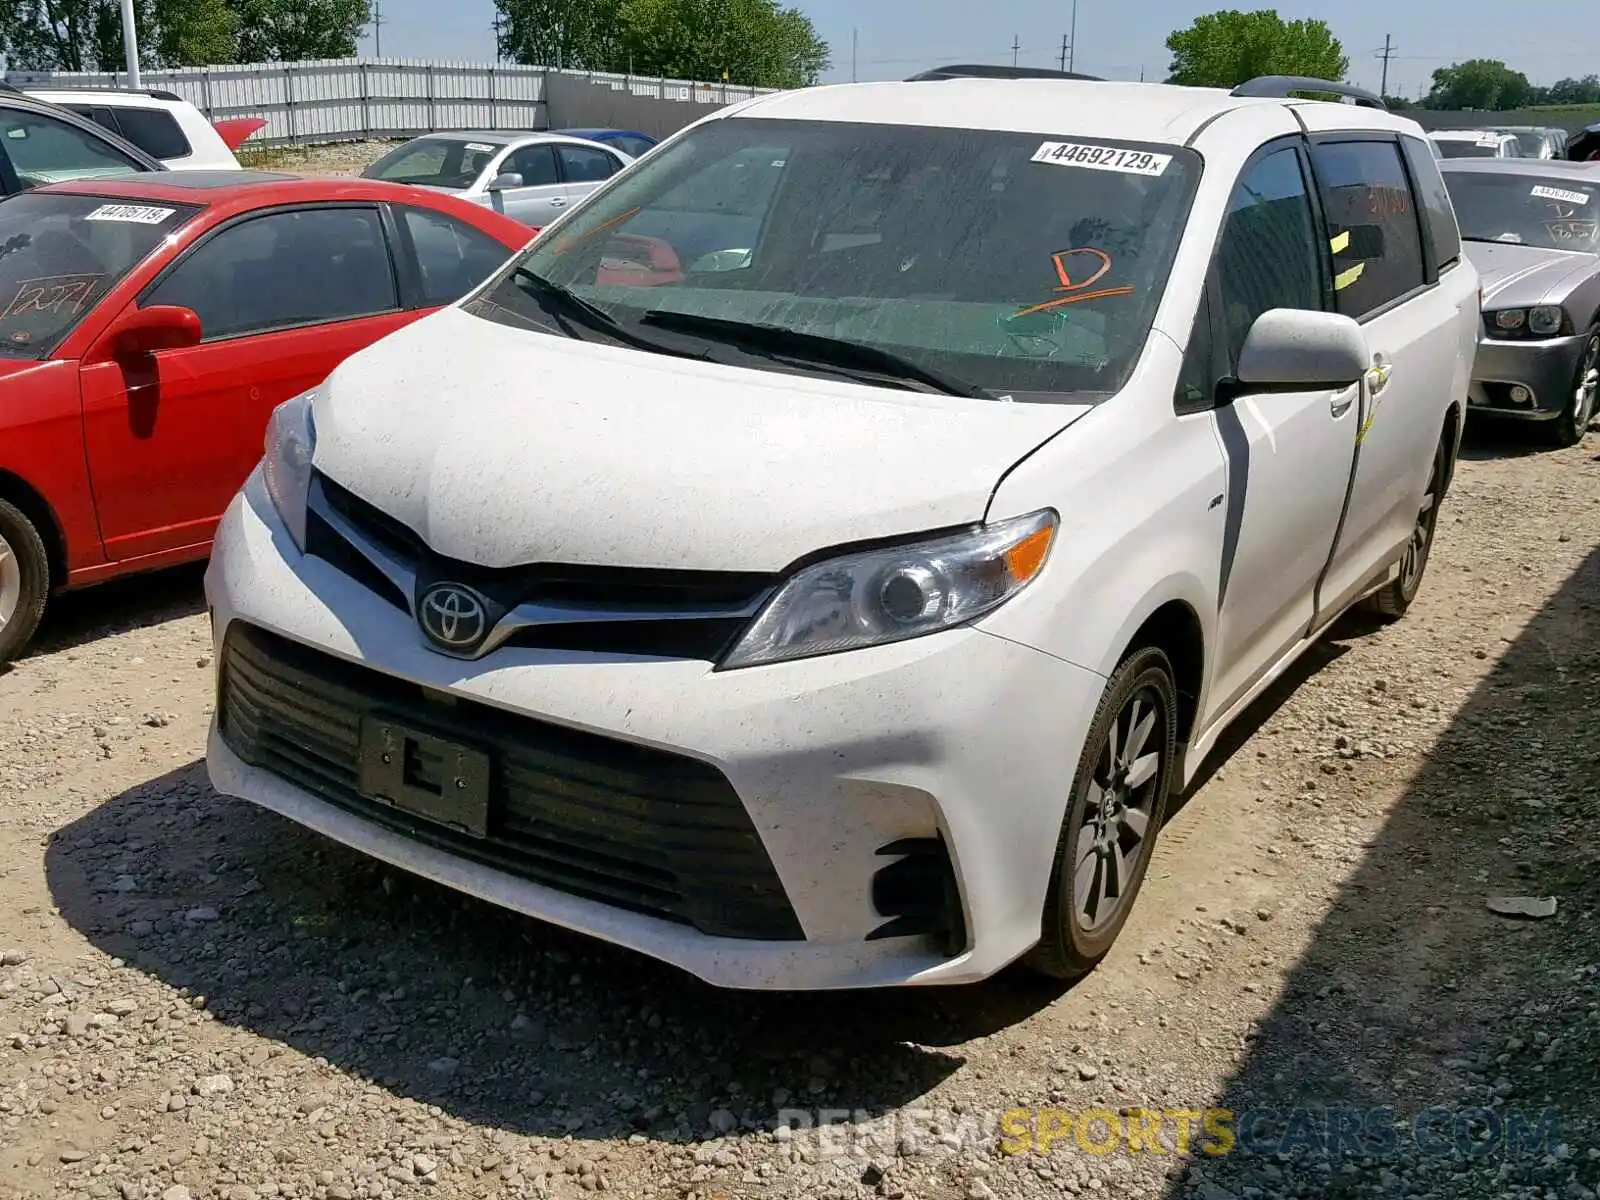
(1388, 53)
(1016, 48)
(130, 44)
(855, 45)
(1064, 51)
(1072, 46)
(495, 25)
(377, 28)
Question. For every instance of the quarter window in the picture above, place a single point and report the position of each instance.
(1372, 221)
(155, 131)
(305, 267)
(1438, 214)
(1267, 257)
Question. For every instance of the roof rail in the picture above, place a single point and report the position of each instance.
(986, 71)
(45, 85)
(1281, 87)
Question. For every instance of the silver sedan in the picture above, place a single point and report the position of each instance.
(531, 177)
(1532, 229)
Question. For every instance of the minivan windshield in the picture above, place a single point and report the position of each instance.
(60, 254)
(1551, 212)
(1024, 265)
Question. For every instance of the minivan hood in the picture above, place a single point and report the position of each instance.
(500, 446)
(1514, 275)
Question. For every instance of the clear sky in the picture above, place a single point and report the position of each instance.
(1115, 38)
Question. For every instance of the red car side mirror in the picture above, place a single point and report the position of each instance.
(159, 327)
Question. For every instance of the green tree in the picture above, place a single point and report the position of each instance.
(1482, 83)
(583, 35)
(1573, 91)
(290, 30)
(86, 35)
(750, 42)
(1224, 49)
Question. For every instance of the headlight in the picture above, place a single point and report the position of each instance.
(286, 466)
(1544, 320)
(880, 596)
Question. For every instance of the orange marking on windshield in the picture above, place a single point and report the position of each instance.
(1072, 299)
(568, 243)
(1064, 271)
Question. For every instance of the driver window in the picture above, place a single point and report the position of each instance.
(1267, 257)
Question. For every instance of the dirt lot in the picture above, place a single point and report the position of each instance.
(198, 999)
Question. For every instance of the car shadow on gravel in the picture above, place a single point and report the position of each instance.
(1423, 1045)
(500, 1020)
(136, 602)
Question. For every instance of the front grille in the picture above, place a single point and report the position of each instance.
(638, 828)
(614, 593)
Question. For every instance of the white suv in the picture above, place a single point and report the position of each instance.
(818, 557)
(162, 124)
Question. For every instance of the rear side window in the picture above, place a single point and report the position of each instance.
(1372, 221)
(1438, 216)
(155, 131)
(452, 257)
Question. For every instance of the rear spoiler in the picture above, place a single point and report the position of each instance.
(235, 130)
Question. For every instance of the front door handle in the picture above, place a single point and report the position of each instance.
(558, 204)
(1341, 403)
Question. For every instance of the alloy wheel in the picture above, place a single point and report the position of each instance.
(1588, 386)
(1421, 534)
(10, 583)
(1118, 812)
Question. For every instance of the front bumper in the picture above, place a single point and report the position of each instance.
(963, 737)
(1547, 368)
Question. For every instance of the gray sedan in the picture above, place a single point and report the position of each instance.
(1530, 227)
(531, 177)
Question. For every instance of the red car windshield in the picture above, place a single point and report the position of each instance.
(60, 254)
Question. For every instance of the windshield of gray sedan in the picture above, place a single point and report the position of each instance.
(1552, 213)
(436, 162)
(1021, 263)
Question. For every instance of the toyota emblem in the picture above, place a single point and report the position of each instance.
(453, 617)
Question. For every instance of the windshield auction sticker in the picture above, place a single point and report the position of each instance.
(1561, 194)
(133, 214)
(1101, 158)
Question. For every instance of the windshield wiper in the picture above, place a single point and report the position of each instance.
(563, 302)
(773, 341)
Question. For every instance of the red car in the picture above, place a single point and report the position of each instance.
(149, 325)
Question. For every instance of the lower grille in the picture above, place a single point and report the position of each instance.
(637, 828)
(919, 894)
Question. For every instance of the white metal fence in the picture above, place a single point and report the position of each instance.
(333, 100)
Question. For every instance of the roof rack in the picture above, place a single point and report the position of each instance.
(33, 85)
(986, 71)
(1281, 87)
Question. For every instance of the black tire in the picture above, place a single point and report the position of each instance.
(1069, 946)
(1393, 599)
(23, 549)
(1568, 429)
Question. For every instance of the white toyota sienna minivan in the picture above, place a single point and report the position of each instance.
(818, 557)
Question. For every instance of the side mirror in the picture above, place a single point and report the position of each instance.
(160, 327)
(1293, 350)
(505, 182)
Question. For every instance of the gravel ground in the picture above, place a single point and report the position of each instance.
(198, 999)
(338, 158)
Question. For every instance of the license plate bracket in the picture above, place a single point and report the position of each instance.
(423, 775)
